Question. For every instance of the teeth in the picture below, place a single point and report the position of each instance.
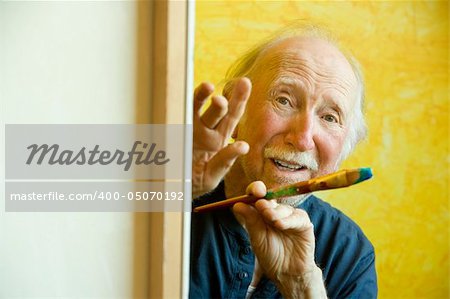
(287, 165)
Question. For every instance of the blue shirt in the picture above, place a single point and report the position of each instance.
(222, 261)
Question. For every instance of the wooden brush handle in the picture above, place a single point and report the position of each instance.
(226, 203)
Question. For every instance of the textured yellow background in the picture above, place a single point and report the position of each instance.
(403, 47)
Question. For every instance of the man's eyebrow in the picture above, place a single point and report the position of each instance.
(286, 81)
(335, 104)
(279, 82)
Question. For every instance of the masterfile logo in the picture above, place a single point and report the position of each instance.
(54, 155)
(96, 151)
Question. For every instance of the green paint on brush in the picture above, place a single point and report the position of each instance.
(289, 191)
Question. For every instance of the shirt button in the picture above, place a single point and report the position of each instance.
(245, 250)
(242, 275)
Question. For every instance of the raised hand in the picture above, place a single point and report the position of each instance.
(212, 155)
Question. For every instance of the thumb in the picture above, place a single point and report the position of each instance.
(221, 163)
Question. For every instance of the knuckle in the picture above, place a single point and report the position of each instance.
(301, 213)
(268, 214)
(220, 102)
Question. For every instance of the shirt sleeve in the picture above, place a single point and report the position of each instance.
(363, 280)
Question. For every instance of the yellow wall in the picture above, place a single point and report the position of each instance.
(403, 47)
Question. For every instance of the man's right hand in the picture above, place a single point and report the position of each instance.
(282, 238)
(212, 155)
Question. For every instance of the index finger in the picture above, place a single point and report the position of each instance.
(236, 106)
(257, 189)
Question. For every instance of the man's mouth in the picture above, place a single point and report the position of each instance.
(288, 166)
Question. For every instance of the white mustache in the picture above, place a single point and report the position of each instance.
(306, 159)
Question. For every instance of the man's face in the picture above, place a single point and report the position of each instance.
(298, 115)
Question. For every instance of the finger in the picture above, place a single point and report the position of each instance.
(236, 106)
(257, 189)
(299, 221)
(221, 163)
(201, 94)
(272, 211)
(214, 114)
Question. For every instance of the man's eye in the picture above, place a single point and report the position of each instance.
(283, 101)
(330, 118)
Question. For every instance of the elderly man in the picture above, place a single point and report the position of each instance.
(295, 111)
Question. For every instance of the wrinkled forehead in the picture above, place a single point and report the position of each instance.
(306, 53)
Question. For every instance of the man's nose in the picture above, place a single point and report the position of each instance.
(301, 132)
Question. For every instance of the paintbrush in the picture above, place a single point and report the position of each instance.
(339, 179)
